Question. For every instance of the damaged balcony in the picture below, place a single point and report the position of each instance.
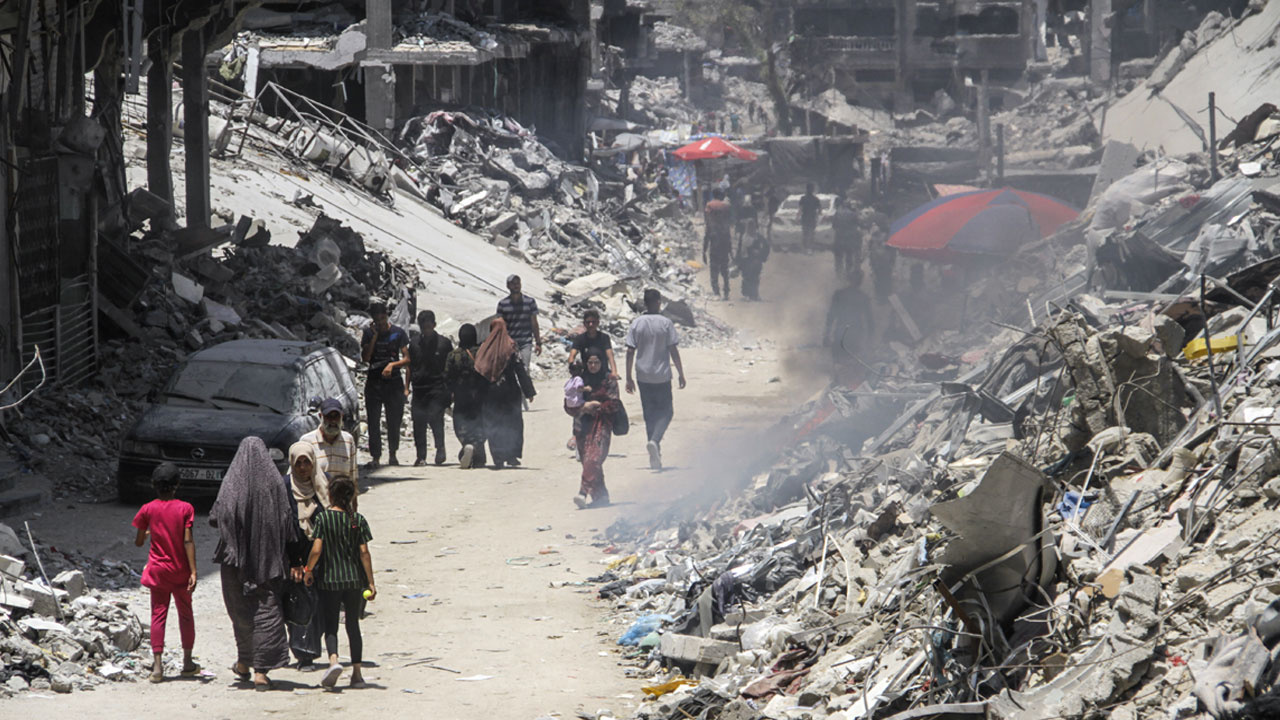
(395, 63)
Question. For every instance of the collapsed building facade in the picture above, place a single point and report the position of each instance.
(64, 163)
(385, 62)
(906, 48)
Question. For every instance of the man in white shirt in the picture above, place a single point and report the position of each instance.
(652, 346)
(335, 448)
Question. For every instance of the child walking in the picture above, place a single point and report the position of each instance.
(341, 542)
(171, 565)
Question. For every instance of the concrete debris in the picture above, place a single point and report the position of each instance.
(1064, 517)
(92, 640)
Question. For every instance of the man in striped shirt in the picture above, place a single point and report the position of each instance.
(521, 313)
(335, 448)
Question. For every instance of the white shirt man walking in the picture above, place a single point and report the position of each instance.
(652, 347)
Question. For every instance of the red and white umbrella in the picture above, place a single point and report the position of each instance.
(712, 149)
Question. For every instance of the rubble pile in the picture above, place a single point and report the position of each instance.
(424, 29)
(1069, 520)
(59, 636)
(660, 102)
(260, 290)
(318, 290)
(497, 179)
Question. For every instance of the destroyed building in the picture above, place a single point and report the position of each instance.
(385, 62)
(907, 49)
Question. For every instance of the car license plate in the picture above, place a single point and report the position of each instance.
(199, 474)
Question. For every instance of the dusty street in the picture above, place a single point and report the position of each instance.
(466, 579)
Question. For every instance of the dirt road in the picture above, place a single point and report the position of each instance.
(467, 580)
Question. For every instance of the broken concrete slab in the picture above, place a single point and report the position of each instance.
(1004, 513)
(72, 581)
(186, 288)
(697, 650)
(11, 567)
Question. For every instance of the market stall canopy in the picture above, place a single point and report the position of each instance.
(712, 149)
(624, 143)
(986, 222)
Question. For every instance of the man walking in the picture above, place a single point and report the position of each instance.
(810, 207)
(430, 393)
(521, 313)
(335, 448)
(385, 347)
(652, 346)
(846, 239)
(717, 241)
(591, 337)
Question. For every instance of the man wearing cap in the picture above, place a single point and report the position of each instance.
(335, 448)
(521, 313)
(385, 347)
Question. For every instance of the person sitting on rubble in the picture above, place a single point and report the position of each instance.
(498, 360)
(468, 389)
(594, 428)
(385, 347)
(171, 565)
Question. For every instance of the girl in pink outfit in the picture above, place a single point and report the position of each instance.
(171, 565)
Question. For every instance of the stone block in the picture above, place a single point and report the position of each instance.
(43, 600)
(690, 649)
(12, 567)
(72, 581)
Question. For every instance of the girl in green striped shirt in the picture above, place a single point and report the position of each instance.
(341, 544)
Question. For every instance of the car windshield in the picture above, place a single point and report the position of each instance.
(262, 386)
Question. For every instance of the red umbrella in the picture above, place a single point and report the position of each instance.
(985, 222)
(711, 149)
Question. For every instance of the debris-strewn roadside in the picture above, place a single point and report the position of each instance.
(1069, 517)
(60, 634)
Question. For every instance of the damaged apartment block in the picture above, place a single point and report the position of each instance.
(385, 61)
(898, 49)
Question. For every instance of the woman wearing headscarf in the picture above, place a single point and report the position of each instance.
(310, 490)
(593, 429)
(469, 389)
(255, 519)
(498, 361)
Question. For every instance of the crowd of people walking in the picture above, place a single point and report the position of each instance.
(293, 549)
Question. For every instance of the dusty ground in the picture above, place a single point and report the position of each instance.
(466, 580)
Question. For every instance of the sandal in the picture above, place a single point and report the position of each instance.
(157, 677)
(195, 670)
(243, 675)
(262, 687)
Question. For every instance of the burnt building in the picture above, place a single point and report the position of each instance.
(902, 50)
(67, 65)
(387, 61)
